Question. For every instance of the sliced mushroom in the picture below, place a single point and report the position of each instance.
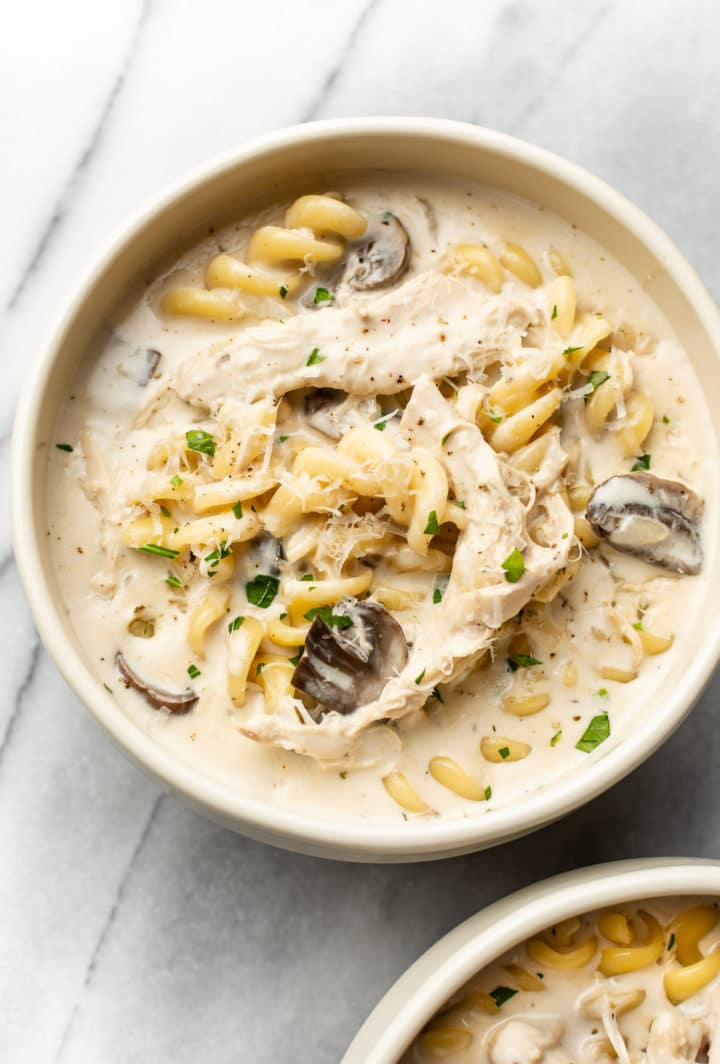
(381, 257)
(264, 556)
(333, 412)
(141, 365)
(347, 667)
(178, 703)
(658, 520)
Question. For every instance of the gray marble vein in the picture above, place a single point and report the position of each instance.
(131, 929)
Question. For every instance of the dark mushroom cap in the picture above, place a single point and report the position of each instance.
(178, 703)
(347, 663)
(657, 520)
(381, 257)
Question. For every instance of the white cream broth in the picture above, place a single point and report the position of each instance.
(106, 584)
(573, 995)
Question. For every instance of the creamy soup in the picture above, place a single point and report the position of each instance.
(385, 502)
(637, 983)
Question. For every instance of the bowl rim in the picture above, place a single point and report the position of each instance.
(441, 970)
(358, 840)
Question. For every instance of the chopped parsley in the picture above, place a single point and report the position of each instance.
(502, 994)
(332, 620)
(496, 418)
(602, 692)
(315, 357)
(283, 291)
(522, 661)
(436, 694)
(666, 419)
(176, 481)
(553, 316)
(439, 589)
(379, 425)
(193, 671)
(215, 556)
(235, 623)
(237, 510)
(514, 566)
(445, 438)
(641, 462)
(638, 625)
(262, 589)
(596, 378)
(671, 941)
(281, 439)
(571, 350)
(460, 503)
(294, 660)
(64, 447)
(322, 295)
(597, 731)
(556, 738)
(308, 577)
(504, 752)
(432, 527)
(259, 668)
(172, 580)
(437, 595)
(419, 679)
(159, 551)
(108, 688)
(199, 440)
(488, 794)
(165, 512)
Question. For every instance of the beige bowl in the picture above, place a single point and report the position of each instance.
(476, 943)
(258, 171)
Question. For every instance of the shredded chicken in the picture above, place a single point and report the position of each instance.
(362, 348)
(478, 599)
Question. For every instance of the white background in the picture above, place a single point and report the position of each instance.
(131, 930)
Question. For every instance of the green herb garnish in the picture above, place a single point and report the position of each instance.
(556, 738)
(262, 589)
(437, 595)
(165, 512)
(596, 378)
(436, 694)
(553, 316)
(419, 679)
(159, 551)
(283, 291)
(176, 481)
(571, 350)
(666, 419)
(281, 439)
(193, 671)
(488, 794)
(671, 941)
(237, 622)
(259, 668)
(379, 425)
(332, 620)
(315, 357)
(504, 752)
(308, 577)
(501, 994)
(64, 447)
(641, 462)
(237, 510)
(522, 661)
(172, 580)
(445, 438)
(460, 503)
(496, 418)
(108, 688)
(514, 566)
(432, 527)
(199, 440)
(597, 731)
(296, 657)
(322, 295)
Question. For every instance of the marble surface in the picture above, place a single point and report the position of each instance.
(130, 929)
